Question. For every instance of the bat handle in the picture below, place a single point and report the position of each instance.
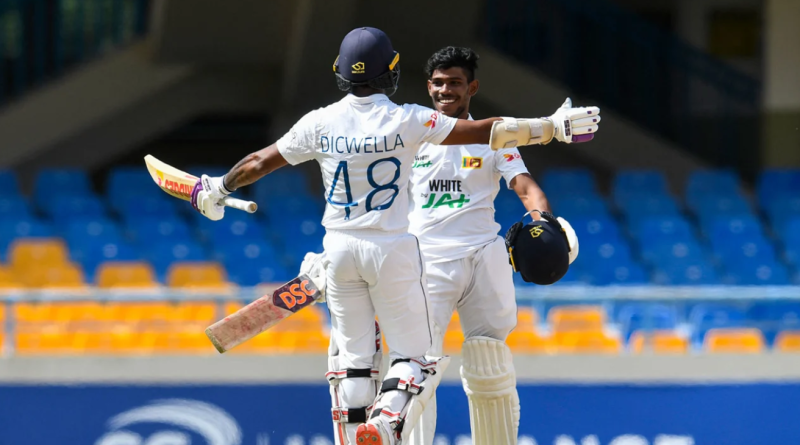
(247, 206)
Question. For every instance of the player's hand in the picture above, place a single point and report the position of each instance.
(207, 195)
(575, 124)
(572, 239)
(314, 265)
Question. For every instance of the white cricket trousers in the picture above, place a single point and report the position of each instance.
(373, 273)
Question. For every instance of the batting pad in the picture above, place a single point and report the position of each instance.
(489, 379)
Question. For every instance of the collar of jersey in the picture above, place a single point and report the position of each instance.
(365, 100)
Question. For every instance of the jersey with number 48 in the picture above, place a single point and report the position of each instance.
(453, 193)
(365, 147)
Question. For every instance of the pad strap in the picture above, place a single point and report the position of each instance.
(357, 373)
(350, 415)
(398, 384)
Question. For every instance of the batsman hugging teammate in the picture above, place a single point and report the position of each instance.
(365, 145)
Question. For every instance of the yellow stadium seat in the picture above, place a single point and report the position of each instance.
(194, 342)
(197, 275)
(658, 342)
(29, 253)
(787, 341)
(529, 342)
(48, 340)
(587, 343)
(8, 279)
(91, 342)
(125, 274)
(527, 318)
(200, 312)
(34, 312)
(265, 342)
(66, 275)
(453, 336)
(734, 340)
(569, 319)
(231, 307)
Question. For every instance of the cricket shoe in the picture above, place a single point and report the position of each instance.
(372, 434)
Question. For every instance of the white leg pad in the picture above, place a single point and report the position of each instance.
(425, 430)
(418, 402)
(490, 381)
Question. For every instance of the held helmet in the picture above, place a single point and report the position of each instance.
(538, 250)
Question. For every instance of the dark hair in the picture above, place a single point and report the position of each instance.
(451, 56)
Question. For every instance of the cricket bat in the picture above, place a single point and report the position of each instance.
(263, 313)
(179, 184)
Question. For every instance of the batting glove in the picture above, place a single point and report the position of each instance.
(314, 265)
(575, 124)
(207, 195)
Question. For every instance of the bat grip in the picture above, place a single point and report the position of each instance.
(240, 204)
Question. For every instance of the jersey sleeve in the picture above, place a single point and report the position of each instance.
(509, 163)
(435, 126)
(299, 144)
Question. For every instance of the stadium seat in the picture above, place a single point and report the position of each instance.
(21, 228)
(239, 251)
(52, 181)
(639, 207)
(780, 210)
(663, 253)
(114, 274)
(758, 273)
(529, 342)
(734, 340)
(91, 254)
(746, 226)
(587, 343)
(92, 230)
(705, 316)
(663, 228)
(14, 207)
(646, 317)
(254, 274)
(636, 181)
(453, 336)
(690, 273)
(288, 207)
(774, 316)
(157, 230)
(165, 253)
(197, 275)
(133, 207)
(787, 341)
(658, 342)
(568, 181)
(602, 228)
(777, 182)
(740, 252)
(614, 251)
(9, 183)
(280, 182)
(718, 182)
(67, 275)
(708, 208)
(26, 254)
(576, 318)
(615, 274)
(578, 206)
(66, 208)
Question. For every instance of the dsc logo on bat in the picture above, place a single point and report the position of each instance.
(296, 294)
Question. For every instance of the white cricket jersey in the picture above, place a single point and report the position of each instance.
(453, 193)
(365, 147)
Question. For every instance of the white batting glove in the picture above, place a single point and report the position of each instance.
(572, 239)
(575, 124)
(207, 195)
(314, 265)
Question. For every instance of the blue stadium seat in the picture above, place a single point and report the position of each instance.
(568, 181)
(774, 316)
(791, 230)
(670, 228)
(577, 206)
(122, 181)
(690, 273)
(646, 316)
(772, 183)
(767, 272)
(717, 182)
(161, 205)
(91, 254)
(781, 210)
(743, 251)
(283, 182)
(232, 230)
(746, 226)
(14, 207)
(252, 274)
(8, 183)
(663, 253)
(92, 230)
(162, 254)
(639, 207)
(614, 274)
(601, 227)
(156, 230)
(21, 228)
(705, 316)
(52, 182)
(709, 207)
(791, 252)
(595, 251)
(637, 181)
(235, 252)
(65, 208)
(287, 206)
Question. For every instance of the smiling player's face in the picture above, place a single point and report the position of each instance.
(451, 91)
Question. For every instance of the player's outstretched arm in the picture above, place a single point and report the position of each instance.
(567, 125)
(529, 192)
(254, 167)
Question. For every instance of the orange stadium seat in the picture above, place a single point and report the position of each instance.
(27, 253)
(125, 274)
(571, 319)
(529, 342)
(197, 275)
(453, 336)
(527, 318)
(787, 341)
(8, 279)
(734, 340)
(658, 342)
(67, 275)
(587, 343)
